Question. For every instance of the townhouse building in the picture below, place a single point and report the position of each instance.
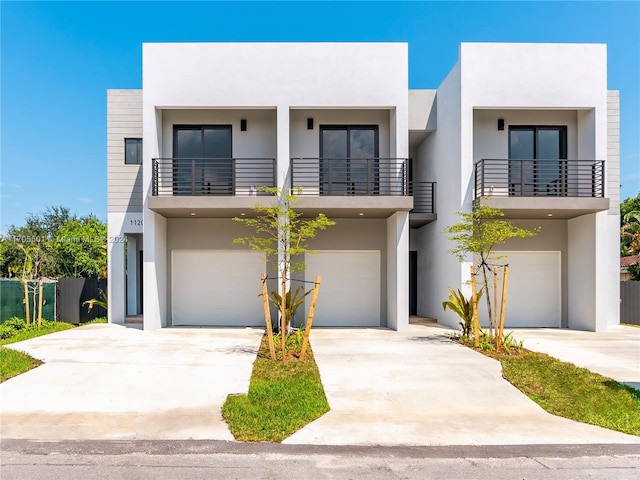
(528, 128)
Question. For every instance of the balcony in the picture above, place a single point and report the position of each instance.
(541, 188)
(350, 176)
(212, 176)
(185, 186)
(353, 187)
(424, 203)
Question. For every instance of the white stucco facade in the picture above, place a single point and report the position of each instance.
(275, 99)
(524, 84)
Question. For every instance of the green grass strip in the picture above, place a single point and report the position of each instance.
(14, 363)
(568, 391)
(96, 320)
(29, 333)
(282, 398)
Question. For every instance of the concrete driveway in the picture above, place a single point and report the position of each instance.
(384, 388)
(420, 388)
(112, 382)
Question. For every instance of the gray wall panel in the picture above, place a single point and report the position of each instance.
(124, 120)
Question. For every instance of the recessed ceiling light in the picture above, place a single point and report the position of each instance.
(193, 214)
(361, 214)
(549, 214)
(242, 214)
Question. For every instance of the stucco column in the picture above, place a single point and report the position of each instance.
(593, 265)
(282, 146)
(283, 162)
(154, 239)
(398, 271)
(115, 271)
(155, 271)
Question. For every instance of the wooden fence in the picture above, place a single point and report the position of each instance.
(73, 292)
(630, 302)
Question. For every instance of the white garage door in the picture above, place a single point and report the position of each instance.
(216, 287)
(534, 289)
(350, 288)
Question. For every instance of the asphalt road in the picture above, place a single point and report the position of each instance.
(92, 460)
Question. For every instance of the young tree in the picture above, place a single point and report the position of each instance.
(65, 244)
(282, 235)
(630, 227)
(478, 233)
(80, 248)
(630, 241)
(31, 269)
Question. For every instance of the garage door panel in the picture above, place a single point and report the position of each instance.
(350, 289)
(216, 287)
(534, 289)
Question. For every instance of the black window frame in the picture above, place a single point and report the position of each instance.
(202, 127)
(374, 187)
(138, 151)
(560, 189)
(199, 186)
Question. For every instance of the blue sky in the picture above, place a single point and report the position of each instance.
(59, 58)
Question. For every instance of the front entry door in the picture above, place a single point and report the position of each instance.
(413, 283)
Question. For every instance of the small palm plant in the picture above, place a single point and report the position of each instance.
(292, 301)
(101, 302)
(463, 307)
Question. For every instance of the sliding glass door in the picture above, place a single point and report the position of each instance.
(537, 165)
(202, 163)
(349, 163)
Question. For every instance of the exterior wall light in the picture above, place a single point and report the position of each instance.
(243, 125)
(501, 124)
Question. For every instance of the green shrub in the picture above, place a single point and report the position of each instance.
(97, 320)
(44, 324)
(16, 323)
(7, 331)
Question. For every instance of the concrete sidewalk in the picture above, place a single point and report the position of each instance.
(112, 382)
(614, 354)
(420, 388)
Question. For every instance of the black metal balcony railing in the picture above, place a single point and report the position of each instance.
(349, 176)
(213, 176)
(539, 178)
(360, 177)
(423, 194)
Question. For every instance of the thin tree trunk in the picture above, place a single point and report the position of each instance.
(474, 298)
(283, 314)
(26, 301)
(503, 308)
(488, 296)
(495, 301)
(33, 314)
(267, 316)
(40, 304)
(312, 309)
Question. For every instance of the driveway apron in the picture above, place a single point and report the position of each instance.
(111, 382)
(420, 388)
